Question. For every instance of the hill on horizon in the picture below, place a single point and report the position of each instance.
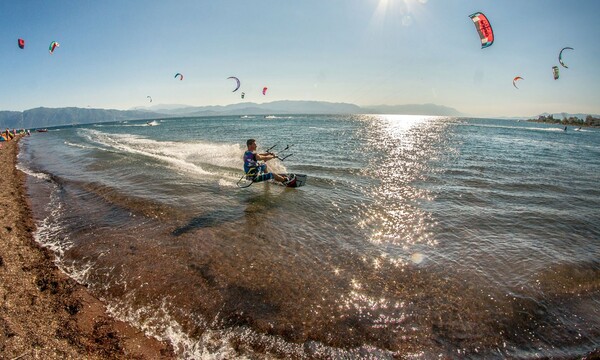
(43, 117)
(303, 107)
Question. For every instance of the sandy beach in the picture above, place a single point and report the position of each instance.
(44, 314)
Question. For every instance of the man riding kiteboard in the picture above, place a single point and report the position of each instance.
(258, 172)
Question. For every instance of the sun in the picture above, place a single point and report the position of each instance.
(402, 9)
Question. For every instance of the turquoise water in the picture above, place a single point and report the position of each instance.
(413, 237)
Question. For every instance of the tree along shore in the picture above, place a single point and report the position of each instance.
(572, 121)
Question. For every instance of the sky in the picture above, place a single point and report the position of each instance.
(115, 53)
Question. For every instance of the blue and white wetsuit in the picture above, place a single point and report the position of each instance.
(253, 169)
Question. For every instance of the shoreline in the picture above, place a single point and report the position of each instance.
(44, 313)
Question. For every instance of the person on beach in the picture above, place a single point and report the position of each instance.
(255, 171)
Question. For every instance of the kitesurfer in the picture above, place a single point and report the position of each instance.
(255, 171)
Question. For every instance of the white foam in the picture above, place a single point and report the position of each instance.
(271, 117)
(222, 160)
(134, 144)
(35, 174)
(87, 147)
(157, 321)
(78, 273)
(49, 230)
(226, 183)
(550, 129)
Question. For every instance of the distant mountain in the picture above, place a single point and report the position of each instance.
(303, 107)
(48, 117)
(250, 108)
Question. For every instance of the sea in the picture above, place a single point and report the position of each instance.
(415, 237)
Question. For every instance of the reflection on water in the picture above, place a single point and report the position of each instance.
(401, 148)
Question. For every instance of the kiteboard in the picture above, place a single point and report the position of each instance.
(294, 180)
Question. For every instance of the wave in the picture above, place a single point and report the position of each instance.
(272, 117)
(156, 320)
(198, 158)
(548, 129)
(30, 172)
(120, 125)
(49, 232)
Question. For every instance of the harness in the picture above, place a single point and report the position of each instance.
(253, 173)
(251, 165)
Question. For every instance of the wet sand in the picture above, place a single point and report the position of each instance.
(44, 314)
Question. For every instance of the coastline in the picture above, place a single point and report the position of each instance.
(583, 125)
(44, 313)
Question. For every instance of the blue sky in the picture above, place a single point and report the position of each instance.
(114, 53)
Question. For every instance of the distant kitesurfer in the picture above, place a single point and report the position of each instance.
(255, 171)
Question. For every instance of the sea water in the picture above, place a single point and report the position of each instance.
(414, 236)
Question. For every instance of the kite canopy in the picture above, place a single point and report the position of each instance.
(237, 81)
(555, 72)
(53, 45)
(149, 97)
(484, 28)
(265, 90)
(560, 56)
(21, 43)
(180, 76)
(515, 81)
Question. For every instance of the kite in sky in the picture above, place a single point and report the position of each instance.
(180, 76)
(483, 28)
(237, 81)
(21, 43)
(53, 45)
(265, 90)
(515, 81)
(555, 72)
(560, 56)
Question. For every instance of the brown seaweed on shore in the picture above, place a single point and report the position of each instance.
(44, 313)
